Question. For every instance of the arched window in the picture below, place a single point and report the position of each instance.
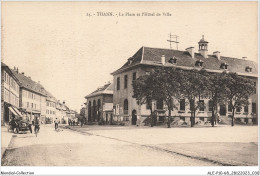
(125, 106)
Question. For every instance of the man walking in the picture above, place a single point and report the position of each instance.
(56, 123)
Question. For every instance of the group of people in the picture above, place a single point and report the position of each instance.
(72, 122)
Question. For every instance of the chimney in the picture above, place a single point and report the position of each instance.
(191, 51)
(217, 54)
(163, 59)
(17, 70)
(244, 58)
(63, 102)
(22, 73)
(14, 68)
(29, 77)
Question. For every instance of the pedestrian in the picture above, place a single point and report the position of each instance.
(30, 125)
(82, 122)
(56, 123)
(36, 124)
(73, 121)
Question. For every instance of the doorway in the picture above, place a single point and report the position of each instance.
(223, 110)
(134, 117)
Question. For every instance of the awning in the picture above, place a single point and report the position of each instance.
(13, 111)
(17, 111)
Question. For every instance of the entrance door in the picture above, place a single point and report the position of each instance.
(222, 110)
(134, 117)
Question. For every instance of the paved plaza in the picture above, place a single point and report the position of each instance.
(135, 146)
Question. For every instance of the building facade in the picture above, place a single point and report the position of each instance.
(146, 59)
(99, 104)
(32, 102)
(9, 95)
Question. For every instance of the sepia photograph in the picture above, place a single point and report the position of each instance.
(155, 88)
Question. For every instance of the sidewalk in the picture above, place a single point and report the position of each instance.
(5, 139)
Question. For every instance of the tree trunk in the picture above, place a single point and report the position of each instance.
(169, 119)
(233, 114)
(191, 119)
(151, 117)
(194, 115)
(212, 117)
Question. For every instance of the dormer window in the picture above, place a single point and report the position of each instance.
(249, 69)
(224, 66)
(130, 60)
(199, 63)
(173, 60)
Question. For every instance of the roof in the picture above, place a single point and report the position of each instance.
(106, 89)
(152, 56)
(9, 71)
(29, 84)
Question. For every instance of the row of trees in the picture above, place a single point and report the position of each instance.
(173, 84)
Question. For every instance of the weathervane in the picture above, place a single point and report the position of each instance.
(174, 39)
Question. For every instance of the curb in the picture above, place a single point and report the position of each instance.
(4, 149)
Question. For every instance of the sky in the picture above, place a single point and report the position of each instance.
(72, 53)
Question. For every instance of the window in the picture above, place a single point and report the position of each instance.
(173, 60)
(199, 63)
(229, 107)
(254, 108)
(28, 105)
(159, 104)
(182, 105)
(224, 66)
(125, 83)
(192, 105)
(255, 87)
(245, 109)
(202, 105)
(238, 109)
(118, 83)
(32, 105)
(125, 106)
(134, 76)
(210, 105)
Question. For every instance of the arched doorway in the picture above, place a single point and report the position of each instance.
(134, 117)
(89, 111)
(98, 110)
(125, 106)
(94, 111)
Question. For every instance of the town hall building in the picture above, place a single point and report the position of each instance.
(146, 58)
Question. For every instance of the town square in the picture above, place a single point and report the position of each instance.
(164, 84)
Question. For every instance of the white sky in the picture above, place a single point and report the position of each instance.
(72, 54)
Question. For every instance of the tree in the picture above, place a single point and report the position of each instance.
(144, 92)
(194, 85)
(167, 87)
(239, 89)
(216, 88)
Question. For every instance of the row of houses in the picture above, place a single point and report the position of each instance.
(24, 98)
(115, 101)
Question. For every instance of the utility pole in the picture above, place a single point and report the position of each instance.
(173, 39)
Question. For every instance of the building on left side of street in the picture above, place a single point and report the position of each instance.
(51, 111)
(9, 95)
(32, 102)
